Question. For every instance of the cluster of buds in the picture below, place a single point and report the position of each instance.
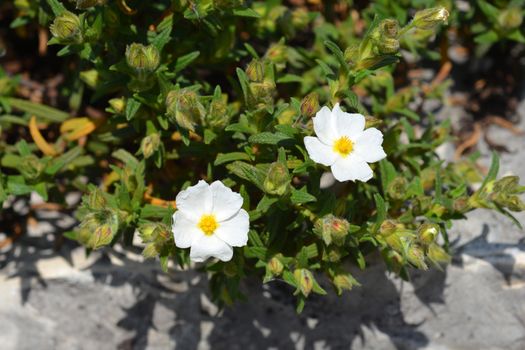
(502, 193)
(332, 229)
(184, 107)
(67, 28)
(277, 181)
(261, 83)
(157, 237)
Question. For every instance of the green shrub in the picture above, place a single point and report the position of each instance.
(249, 96)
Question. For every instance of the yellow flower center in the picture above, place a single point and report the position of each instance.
(208, 224)
(343, 146)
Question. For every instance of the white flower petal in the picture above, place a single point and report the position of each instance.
(350, 124)
(195, 200)
(319, 152)
(210, 246)
(235, 230)
(368, 145)
(185, 231)
(226, 203)
(324, 125)
(352, 168)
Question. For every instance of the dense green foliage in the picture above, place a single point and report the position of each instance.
(225, 90)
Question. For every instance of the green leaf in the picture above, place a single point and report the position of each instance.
(302, 196)
(230, 157)
(339, 55)
(39, 110)
(56, 7)
(127, 158)
(493, 171)
(248, 172)
(184, 61)
(269, 138)
(132, 107)
(246, 12)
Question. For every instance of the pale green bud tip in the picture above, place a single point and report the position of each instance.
(304, 280)
(67, 28)
(430, 18)
(149, 145)
(90, 77)
(275, 266)
(277, 179)
(428, 232)
(118, 104)
(255, 70)
(310, 104)
(510, 18)
(142, 58)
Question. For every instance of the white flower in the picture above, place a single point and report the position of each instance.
(343, 144)
(210, 220)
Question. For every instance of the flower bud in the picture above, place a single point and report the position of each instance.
(275, 266)
(343, 282)
(461, 204)
(277, 179)
(31, 167)
(300, 18)
(144, 59)
(218, 117)
(388, 46)
(332, 229)
(255, 70)
(98, 228)
(388, 227)
(150, 251)
(430, 18)
(507, 184)
(310, 104)
(277, 53)
(67, 28)
(96, 200)
(184, 106)
(510, 18)
(422, 204)
(428, 232)
(304, 280)
(416, 256)
(149, 145)
(437, 254)
(118, 104)
(90, 77)
(397, 189)
(389, 28)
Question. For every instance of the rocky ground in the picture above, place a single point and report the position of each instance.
(65, 300)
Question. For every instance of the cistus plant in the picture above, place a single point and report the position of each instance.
(256, 137)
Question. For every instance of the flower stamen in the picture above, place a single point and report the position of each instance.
(343, 146)
(208, 224)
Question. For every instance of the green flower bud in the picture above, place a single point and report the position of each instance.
(31, 167)
(275, 266)
(430, 18)
(277, 179)
(218, 117)
(90, 77)
(428, 232)
(98, 228)
(422, 204)
(332, 254)
(507, 184)
(150, 251)
(185, 108)
(67, 28)
(397, 189)
(118, 104)
(461, 205)
(262, 93)
(149, 145)
(96, 200)
(304, 280)
(300, 18)
(389, 28)
(277, 53)
(343, 282)
(332, 229)
(510, 18)
(416, 256)
(310, 104)
(388, 46)
(388, 227)
(144, 59)
(437, 254)
(255, 70)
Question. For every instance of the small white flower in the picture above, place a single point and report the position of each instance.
(343, 144)
(210, 220)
